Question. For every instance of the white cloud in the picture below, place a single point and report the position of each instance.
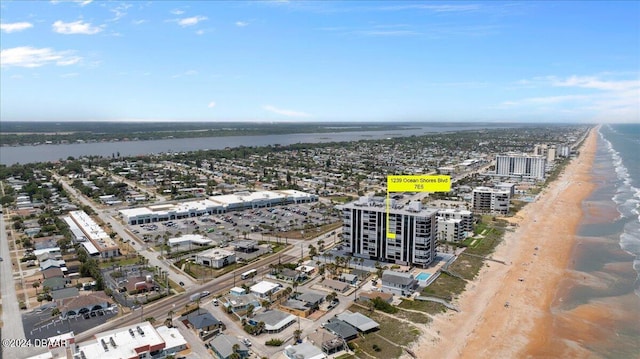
(15, 27)
(284, 112)
(601, 97)
(68, 75)
(76, 27)
(593, 82)
(211, 104)
(242, 23)
(177, 12)
(190, 21)
(79, 2)
(27, 56)
(119, 11)
(545, 100)
(138, 22)
(200, 32)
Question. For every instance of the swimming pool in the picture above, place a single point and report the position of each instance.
(423, 276)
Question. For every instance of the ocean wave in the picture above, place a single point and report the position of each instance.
(627, 198)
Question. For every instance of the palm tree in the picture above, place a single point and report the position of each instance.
(260, 327)
(235, 354)
(36, 285)
(296, 334)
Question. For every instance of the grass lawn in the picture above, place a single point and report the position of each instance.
(427, 307)
(395, 331)
(413, 317)
(121, 262)
(310, 233)
(198, 271)
(341, 199)
(467, 266)
(175, 286)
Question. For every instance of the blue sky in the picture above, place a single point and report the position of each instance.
(320, 61)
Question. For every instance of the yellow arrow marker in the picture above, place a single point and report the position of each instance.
(418, 183)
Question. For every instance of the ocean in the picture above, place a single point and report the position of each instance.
(622, 143)
(598, 307)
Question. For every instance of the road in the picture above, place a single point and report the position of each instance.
(159, 310)
(117, 227)
(11, 321)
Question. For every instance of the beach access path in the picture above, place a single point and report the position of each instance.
(505, 312)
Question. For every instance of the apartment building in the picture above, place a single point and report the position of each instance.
(454, 225)
(365, 229)
(491, 200)
(521, 165)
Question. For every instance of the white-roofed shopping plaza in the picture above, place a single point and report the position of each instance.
(215, 205)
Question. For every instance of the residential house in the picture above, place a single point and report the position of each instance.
(398, 283)
(224, 346)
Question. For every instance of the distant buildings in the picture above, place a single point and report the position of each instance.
(365, 231)
(491, 200)
(521, 165)
(214, 205)
(552, 151)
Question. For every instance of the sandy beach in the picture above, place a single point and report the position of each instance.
(486, 327)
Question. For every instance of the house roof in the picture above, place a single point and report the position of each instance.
(263, 287)
(311, 298)
(52, 272)
(85, 300)
(358, 321)
(274, 319)
(348, 277)
(295, 304)
(371, 295)
(243, 300)
(304, 350)
(200, 320)
(65, 293)
(341, 329)
(223, 345)
(397, 277)
(55, 282)
(336, 285)
(289, 273)
(49, 263)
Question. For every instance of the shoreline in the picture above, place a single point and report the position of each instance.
(486, 327)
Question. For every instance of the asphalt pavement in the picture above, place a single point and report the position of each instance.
(11, 322)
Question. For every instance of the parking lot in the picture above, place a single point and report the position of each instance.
(40, 324)
(226, 227)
